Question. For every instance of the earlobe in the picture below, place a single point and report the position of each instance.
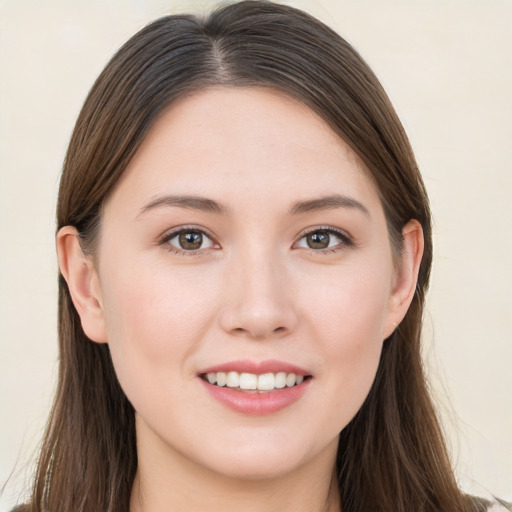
(406, 277)
(82, 279)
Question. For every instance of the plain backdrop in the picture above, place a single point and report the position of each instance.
(447, 66)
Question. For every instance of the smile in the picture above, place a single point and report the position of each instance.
(256, 388)
(252, 382)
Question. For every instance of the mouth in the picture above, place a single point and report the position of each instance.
(253, 382)
(256, 388)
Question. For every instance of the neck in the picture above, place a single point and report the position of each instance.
(170, 481)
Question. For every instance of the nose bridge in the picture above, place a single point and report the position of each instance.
(258, 302)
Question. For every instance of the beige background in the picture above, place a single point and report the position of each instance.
(447, 66)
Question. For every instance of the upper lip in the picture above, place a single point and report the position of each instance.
(256, 367)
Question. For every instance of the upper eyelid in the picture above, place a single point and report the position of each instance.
(168, 235)
(332, 229)
(346, 240)
(173, 232)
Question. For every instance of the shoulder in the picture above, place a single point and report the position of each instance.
(496, 505)
(499, 506)
(22, 508)
(488, 505)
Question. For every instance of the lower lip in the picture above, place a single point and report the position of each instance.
(257, 404)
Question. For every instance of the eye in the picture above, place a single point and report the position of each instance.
(324, 238)
(188, 240)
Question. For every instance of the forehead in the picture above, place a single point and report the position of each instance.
(251, 143)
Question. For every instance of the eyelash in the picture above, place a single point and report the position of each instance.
(167, 237)
(346, 240)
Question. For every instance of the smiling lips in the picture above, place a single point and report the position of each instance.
(253, 382)
(256, 388)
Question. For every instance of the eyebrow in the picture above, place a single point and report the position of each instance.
(189, 202)
(327, 203)
(211, 206)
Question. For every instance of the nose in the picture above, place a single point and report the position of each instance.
(258, 299)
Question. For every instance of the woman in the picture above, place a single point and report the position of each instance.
(244, 244)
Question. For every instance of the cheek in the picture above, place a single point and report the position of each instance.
(154, 318)
(347, 316)
(350, 304)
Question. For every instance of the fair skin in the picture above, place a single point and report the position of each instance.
(263, 274)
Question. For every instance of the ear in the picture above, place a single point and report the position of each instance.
(83, 283)
(406, 276)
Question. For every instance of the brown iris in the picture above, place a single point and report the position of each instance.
(190, 240)
(318, 240)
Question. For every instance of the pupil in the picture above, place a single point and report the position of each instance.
(318, 240)
(191, 240)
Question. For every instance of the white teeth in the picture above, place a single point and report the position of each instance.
(251, 381)
(248, 381)
(233, 380)
(221, 379)
(291, 378)
(280, 380)
(266, 382)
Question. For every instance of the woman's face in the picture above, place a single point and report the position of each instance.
(244, 239)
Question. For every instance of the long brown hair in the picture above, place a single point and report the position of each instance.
(391, 457)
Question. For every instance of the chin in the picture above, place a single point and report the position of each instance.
(256, 468)
(268, 460)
